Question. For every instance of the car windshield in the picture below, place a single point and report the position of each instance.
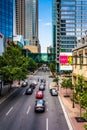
(54, 90)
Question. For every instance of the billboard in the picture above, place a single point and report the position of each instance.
(66, 61)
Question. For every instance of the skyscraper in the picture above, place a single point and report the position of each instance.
(69, 24)
(6, 17)
(19, 16)
(27, 18)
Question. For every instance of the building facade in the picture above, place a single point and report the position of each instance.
(19, 16)
(69, 24)
(6, 18)
(27, 20)
(80, 60)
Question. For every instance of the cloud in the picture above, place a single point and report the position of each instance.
(40, 20)
(48, 24)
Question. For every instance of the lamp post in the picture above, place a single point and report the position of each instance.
(73, 105)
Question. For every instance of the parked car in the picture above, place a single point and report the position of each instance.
(39, 94)
(42, 87)
(29, 91)
(39, 105)
(54, 92)
(24, 84)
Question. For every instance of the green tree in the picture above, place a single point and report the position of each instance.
(13, 64)
(52, 68)
(66, 83)
(79, 89)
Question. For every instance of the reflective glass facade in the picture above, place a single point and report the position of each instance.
(69, 24)
(31, 19)
(6, 17)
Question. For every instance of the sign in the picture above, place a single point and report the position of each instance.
(66, 61)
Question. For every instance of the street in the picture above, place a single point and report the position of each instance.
(17, 111)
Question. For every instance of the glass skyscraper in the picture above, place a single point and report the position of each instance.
(69, 24)
(27, 18)
(31, 19)
(6, 17)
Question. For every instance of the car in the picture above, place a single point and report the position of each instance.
(54, 92)
(34, 82)
(42, 87)
(24, 84)
(29, 91)
(39, 94)
(39, 105)
(32, 85)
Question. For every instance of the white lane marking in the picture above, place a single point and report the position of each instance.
(46, 102)
(46, 123)
(68, 120)
(23, 93)
(9, 111)
(47, 109)
(28, 110)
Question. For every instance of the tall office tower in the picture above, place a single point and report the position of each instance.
(31, 19)
(27, 19)
(19, 16)
(6, 17)
(69, 24)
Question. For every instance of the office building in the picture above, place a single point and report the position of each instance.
(27, 20)
(19, 16)
(80, 60)
(6, 18)
(69, 25)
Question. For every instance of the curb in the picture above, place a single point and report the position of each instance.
(68, 120)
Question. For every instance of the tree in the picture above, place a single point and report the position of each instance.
(66, 83)
(52, 68)
(13, 64)
(56, 79)
(79, 89)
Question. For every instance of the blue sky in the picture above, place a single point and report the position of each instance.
(45, 24)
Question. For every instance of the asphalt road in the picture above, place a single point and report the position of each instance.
(17, 111)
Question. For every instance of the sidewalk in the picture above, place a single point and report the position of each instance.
(71, 112)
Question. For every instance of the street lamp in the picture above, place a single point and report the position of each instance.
(73, 105)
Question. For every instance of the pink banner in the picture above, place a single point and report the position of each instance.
(63, 59)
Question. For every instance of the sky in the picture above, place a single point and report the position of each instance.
(45, 24)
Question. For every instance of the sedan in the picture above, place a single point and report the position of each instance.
(24, 83)
(54, 92)
(39, 105)
(42, 87)
(39, 94)
(32, 85)
(29, 91)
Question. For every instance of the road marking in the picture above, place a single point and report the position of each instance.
(9, 111)
(47, 109)
(23, 93)
(46, 123)
(68, 120)
(28, 110)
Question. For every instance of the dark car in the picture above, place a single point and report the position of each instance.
(32, 85)
(24, 84)
(54, 92)
(39, 105)
(42, 87)
(29, 91)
